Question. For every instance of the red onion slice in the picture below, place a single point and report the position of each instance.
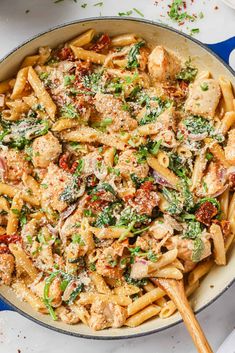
(159, 179)
(69, 210)
(198, 137)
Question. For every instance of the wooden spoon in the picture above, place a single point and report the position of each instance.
(175, 290)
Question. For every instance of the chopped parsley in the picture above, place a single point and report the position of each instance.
(194, 31)
(69, 111)
(196, 124)
(188, 73)
(153, 112)
(138, 12)
(204, 86)
(128, 13)
(99, 4)
(69, 79)
(176, 12)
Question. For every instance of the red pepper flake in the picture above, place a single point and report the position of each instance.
(216, 7)
(4, 249)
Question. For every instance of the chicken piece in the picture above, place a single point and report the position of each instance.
(163, 64)
(230, 148)
(111, 107)
(16, 164)
(54, 183)
(185, 247)
(71, 225)
(7, 265)
(107, 262)
(67, 315)
(203, 98)
(213, 182)
(46, 149)
(160, 229)
(55, 292)
(143, 58)
(94, 165)
(104, 315)
(127, 165)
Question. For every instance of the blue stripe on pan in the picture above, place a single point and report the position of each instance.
(223, 49)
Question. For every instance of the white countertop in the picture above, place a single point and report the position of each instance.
(19, 335)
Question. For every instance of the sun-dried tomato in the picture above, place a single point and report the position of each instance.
(205, 213)
(65, 54)
(7, 239)
(102, 43)
(147, 185)
(63, 162)
(92, 180)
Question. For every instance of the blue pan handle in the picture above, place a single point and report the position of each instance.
(223, 49)
(5, 306)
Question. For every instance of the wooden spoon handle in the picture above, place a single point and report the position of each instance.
(175, 290)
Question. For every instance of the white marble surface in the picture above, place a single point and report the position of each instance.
(18, 334)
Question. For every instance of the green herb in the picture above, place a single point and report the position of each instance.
(46, 299)
(83, 5)
(15, 211)
(153, 112)
(176, 12)
(103, 124)
(211, 200)
(128, 13)
(209, 156)
(138, 12)
(128, 216)
(76, 239)
(175, 204)
(133, 55)
(64, 284)
(193, 230)
(198, 248)
(106, 217)
(69, 111)
(92, 266)
(188, 72)
(43, 75)
(194, 31)
(29, 239)
(114, 171)
(98, 4)
(204, 86)
(69, 79)
(88, 213)
(104, 186)
(71, 192)
(44, 186)
(79, 167)
(75, 293)
(138, 181)
(196, 124)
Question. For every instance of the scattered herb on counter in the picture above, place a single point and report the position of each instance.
(138, 12)
(128, 13)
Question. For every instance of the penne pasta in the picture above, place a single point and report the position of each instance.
(227, 93)
(83, 39)
(41, 93)
(92, 56)
(143, 315)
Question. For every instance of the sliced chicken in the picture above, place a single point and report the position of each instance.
(230, 148)
(16, 164)
(185, 247)
(163, 64)
(213, 182)
(67, 315)
(111, 107)
(203, 98)
(46, 149)
(104, 315)
(54, 183)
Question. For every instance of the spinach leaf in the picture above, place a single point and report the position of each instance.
(133, 55)
(175, 203)
(153, 112)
